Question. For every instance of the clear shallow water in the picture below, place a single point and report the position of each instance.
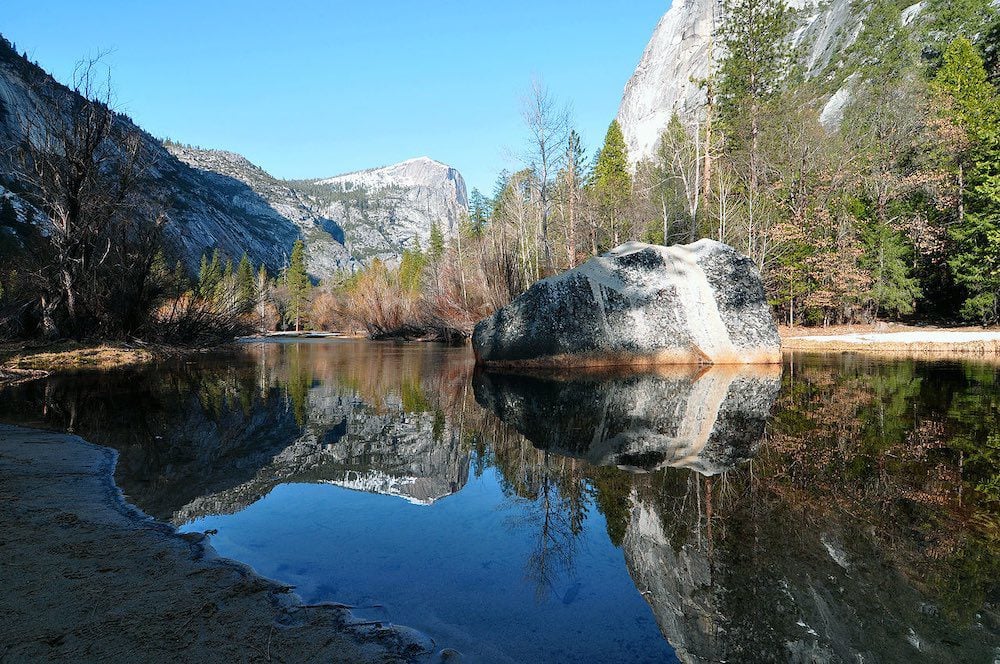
(595, 518)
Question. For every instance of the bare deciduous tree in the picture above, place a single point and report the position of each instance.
(548, 129)
(85, 167)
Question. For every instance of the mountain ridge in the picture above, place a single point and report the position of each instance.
(220, 200)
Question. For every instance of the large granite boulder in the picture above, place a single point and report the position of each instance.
(638, 304)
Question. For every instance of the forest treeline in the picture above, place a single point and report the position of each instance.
(891, 212)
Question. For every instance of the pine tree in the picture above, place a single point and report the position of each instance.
(203, 269)
(411, 268)
(210, 276)
(436, 249)
(612, 182)
(181, 282)
(479, 212)
(571, 179)
(756, 61)
(750, 76)
(299, 285)
(975, 108)
(888, 258)
(225, 289)
(246, 289)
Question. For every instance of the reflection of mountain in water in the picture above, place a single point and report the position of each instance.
(215, 437)
(770, 586)
(347, 443)
(706, 420)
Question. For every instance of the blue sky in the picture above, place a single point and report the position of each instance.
(312, 89)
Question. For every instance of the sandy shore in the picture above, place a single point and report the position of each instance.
(895, 340)
(86, 577)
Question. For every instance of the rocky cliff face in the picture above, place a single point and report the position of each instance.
(205, 211)
(267, 197)
(682, 51)
(348, 219)
(219, 199)
(385, 210)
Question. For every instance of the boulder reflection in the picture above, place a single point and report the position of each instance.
(706, 420)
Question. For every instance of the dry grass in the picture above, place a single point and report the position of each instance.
(25, 361)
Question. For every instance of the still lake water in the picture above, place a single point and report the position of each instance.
(843, 509)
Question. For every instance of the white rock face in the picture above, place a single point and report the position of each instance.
(638, 304)
(349, 219)
(665, 81)
(683, 51)
(833, 111)
(385, 210)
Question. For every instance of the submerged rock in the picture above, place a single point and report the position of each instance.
(705, 420)
(638, 304)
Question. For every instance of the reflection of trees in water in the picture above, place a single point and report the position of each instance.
(862, 517)
(890, 443)
(902, 446)
(549, 497)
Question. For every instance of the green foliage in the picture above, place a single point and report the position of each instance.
(612, 180)
(246, 285)
(975, 414)
(888, 258)
(976, 266)
(756, 60)
(962, 77)
(885, 50)
(611, 172)
(210, 275)
(991, 51)
(300, 379)
(480, 208)
(411, 268)
(952, 19)
(436, 249)
(611, 495)
(975, 108)
(412, 395)
(299, 285)
(181, 280)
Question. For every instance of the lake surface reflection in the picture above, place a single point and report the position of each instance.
(845, 509)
